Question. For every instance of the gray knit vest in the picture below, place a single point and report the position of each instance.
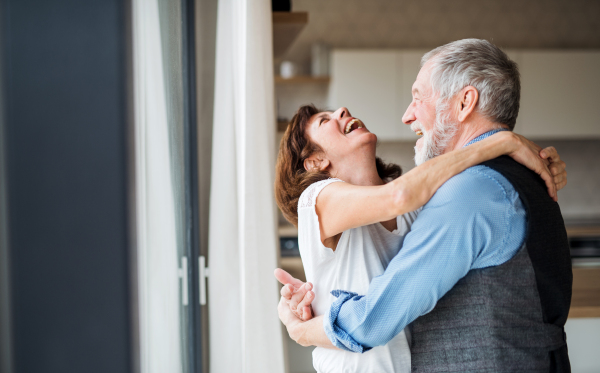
(507, 318)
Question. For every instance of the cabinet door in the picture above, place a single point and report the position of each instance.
(366, 82)
(560, 94)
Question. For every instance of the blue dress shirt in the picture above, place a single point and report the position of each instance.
(475, 220)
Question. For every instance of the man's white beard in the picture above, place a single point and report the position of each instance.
(437, 140)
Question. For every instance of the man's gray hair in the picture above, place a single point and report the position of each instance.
(481, 64)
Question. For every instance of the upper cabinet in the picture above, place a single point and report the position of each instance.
(559, 91)
(372, 85)
(560, 94)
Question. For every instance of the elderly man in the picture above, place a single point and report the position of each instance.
(484, 276)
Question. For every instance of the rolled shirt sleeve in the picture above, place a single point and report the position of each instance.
(475, 220)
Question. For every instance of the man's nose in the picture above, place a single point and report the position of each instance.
(409, 115)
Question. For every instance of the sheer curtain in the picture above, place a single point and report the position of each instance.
(245, 332)
(160, 185)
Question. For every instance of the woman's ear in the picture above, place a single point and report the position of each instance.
(468, 101)
(314, 163)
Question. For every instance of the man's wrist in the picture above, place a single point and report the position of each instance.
(295, 330)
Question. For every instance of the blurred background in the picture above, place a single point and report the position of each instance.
(138, 227)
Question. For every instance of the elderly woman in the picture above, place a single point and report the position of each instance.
(353, 210)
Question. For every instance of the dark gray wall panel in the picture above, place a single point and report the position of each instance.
(65, 70)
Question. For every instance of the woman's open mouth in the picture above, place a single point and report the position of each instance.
(352, 125)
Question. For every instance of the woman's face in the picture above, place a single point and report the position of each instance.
(341, 136)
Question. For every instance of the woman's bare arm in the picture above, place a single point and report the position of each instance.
(342, 206)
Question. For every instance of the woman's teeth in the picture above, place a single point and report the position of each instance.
(349, 128)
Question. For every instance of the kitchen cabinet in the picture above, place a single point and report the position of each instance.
(372, 85)
(560, 95)
(585, 301)
(560, 98)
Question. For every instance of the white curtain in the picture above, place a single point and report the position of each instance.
(160, 334)
(245, 332)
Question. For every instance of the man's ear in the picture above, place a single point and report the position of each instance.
(468, 98)
(315, 162)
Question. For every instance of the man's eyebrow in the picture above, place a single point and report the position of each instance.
(415, 91)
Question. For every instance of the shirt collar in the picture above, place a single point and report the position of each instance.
(485, 135)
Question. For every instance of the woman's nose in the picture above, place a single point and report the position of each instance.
(342, 112)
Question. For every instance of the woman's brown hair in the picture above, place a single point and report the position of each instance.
(291, 179)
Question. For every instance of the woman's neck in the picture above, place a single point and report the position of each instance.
(362, 172)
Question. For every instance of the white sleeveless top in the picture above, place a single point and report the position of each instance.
(362, 253)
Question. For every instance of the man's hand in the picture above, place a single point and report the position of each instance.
(297, 294)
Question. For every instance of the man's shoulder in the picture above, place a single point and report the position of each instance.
(482, 209)
(474, 186)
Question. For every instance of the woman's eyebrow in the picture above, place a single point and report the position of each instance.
(322, 115)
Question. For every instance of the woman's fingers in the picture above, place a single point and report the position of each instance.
(285, 278)
(557, 166)
(299, 295)
(544, 171)
(305, 304)
(529, 155)
(307, 313)
(549, 180)
(561, 185)
(287, 291)
(550, 153)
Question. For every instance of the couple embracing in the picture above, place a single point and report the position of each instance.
(461, 264)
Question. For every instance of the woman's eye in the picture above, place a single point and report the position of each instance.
(322, 120)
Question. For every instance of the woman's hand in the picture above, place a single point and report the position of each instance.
(297, 294)
(557, 166)
(545, 163)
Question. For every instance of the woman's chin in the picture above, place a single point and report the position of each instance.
(370, 135)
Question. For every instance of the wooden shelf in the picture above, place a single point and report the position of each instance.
(583, 231)
(288, 230)
(584, 312)
(585, 301)
(281, 126)
(286, 28)
(303, 79)
(293, 265)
